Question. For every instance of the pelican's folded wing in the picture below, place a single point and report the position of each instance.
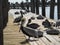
(31, 32)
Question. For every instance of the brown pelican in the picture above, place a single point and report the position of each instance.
(46, 24)
(58, 23)
(18, 19)
(52, 31)
(30, 32)
(32, 25)
(40, 17)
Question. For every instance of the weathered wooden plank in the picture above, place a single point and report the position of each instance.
(46, 41)
(56, 37)
(40, 42)
(52, 39)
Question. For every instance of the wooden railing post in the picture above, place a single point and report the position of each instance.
(37, 6)
(27, 5)
(58, 2)
(14, 6)
(33, 6)
(8, 6)
(52, 5)
(43, 7)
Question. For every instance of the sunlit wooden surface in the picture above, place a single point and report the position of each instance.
(11, 34)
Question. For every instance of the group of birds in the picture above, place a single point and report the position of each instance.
(31, 29)
(50, 29)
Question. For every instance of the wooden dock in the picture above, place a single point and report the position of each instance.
(12, 36)
(47, 40)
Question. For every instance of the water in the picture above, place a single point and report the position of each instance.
(48, 12)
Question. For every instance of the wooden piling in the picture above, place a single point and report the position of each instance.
(22, 5)
(14, 6)
(52, 5)
(37, 6)
(8, 6)
(27, 5)
(58, 2)
(1, 24)
(43, 7)
(1, 16)
(33, 6)
(5, 12)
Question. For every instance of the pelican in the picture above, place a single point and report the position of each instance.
(18, 19)
(32, 25)
(30, 32)
(58, 23)
(46, 24)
